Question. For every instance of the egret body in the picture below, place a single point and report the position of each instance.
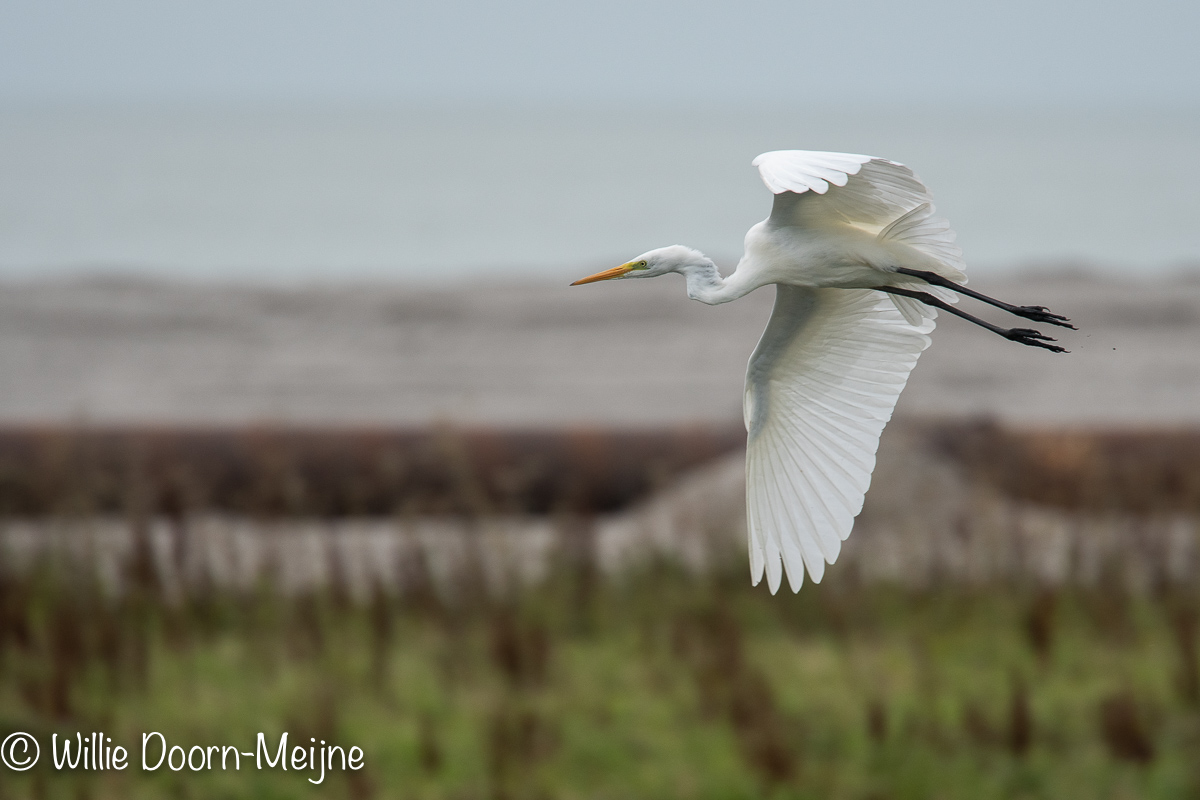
(861, 263)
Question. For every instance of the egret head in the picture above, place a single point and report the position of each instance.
(675, 258)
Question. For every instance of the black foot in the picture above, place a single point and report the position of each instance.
(1032, 338)
(1042, 314)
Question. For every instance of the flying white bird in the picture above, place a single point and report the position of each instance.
(860, 263)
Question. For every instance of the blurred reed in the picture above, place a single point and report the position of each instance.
(489, 640)
(959, 502)
(488, 696)
(341, 472)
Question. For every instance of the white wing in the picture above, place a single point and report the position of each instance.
(820, 387)
(868, 190)
(814, 188)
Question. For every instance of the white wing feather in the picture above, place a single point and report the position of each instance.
(872, 191)
(820, 387)
(878, 195)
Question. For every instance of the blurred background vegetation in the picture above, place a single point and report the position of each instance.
(660, 678)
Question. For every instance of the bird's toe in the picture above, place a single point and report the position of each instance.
(1043, 314)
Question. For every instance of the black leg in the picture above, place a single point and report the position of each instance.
(1023, 335)
(1035, 313)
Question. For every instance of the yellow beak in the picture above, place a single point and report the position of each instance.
(608, 274)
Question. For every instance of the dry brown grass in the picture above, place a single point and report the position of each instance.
(1102, 470)
(353, 472)
(319, 472)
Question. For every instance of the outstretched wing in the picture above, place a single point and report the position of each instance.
(864, 190)
(820, 387)
(815, 189)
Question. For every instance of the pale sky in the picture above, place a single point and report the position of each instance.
(1027, 52)
(285, 138)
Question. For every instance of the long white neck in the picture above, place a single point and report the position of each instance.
(704, 283)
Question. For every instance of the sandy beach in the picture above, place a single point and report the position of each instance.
(631, 353)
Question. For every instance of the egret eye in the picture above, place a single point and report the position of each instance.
(641, 265)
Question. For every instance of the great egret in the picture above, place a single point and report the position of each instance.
(823, 381)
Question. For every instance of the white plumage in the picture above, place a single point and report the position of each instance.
(820, 386)
(860, 261)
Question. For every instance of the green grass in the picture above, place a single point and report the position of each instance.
(654, 685)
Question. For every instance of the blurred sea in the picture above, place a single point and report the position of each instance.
(435, 194)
